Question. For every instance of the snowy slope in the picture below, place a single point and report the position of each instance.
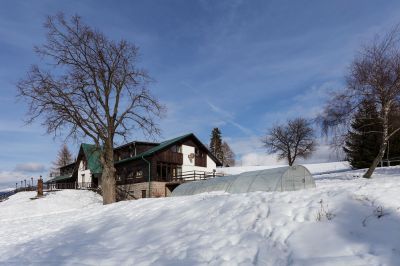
(261, 228)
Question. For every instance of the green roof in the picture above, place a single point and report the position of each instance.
(92, 154)
(149, 152)
(59, 178)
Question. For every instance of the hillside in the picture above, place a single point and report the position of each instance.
(358, 225)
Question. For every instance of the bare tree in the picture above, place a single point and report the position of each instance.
(92, 88)
(291, 140)
(374, 76)
(64, 157)
(228, 156)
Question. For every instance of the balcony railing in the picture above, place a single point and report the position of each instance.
(71, 185)
(194, 176)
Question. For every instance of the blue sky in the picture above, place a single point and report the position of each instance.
(238, 65)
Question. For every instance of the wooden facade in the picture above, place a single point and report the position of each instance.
(138, 164)
(67, 169)
(132, 149)
(165, 164)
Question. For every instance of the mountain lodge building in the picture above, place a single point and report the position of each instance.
(143, 169)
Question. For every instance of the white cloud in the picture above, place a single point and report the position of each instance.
(30, 167)
(9, 178)
(21, 172)
(250, 152)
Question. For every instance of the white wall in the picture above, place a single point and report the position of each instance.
(84, 175)
(189, 165)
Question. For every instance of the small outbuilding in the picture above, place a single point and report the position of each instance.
(287, 178)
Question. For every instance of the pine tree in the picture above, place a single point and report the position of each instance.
(363, 140)
(228, 156)
(216, 143)
(64, 157)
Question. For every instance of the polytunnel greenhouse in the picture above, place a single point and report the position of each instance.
(286, 178)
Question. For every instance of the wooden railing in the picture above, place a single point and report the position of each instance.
(194, 176)
(88, 185)
(74, 185)
(55, 186)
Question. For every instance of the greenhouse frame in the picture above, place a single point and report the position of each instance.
(287, 178)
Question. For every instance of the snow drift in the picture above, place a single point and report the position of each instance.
(345, 220)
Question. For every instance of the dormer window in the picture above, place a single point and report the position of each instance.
(176, 148)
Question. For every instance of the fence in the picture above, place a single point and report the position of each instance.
(75, 185)
(390, 161)
(194, 176)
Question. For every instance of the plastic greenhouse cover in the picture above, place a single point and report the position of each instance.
(274, 179)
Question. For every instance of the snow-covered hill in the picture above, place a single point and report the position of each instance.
(358, 224)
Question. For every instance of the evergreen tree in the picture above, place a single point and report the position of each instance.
(216, 143)
(364, 138)
(228, 156)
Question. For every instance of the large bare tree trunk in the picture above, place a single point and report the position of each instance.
(376, 161)
(108, 184)
(290, 161)
(95, 90)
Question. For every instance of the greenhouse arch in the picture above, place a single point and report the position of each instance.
(288, 178)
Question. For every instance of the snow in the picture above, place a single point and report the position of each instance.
(262, 228)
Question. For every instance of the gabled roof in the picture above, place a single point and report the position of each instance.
(166, 144)
(92, 155)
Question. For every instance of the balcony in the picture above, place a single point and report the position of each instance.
(170, 157)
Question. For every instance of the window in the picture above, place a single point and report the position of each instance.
(179, 171)
(139, 174)
(166, 171)
(131, 175)
(198, 152)
(159, 172)
(143, 193)
(176, 148)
